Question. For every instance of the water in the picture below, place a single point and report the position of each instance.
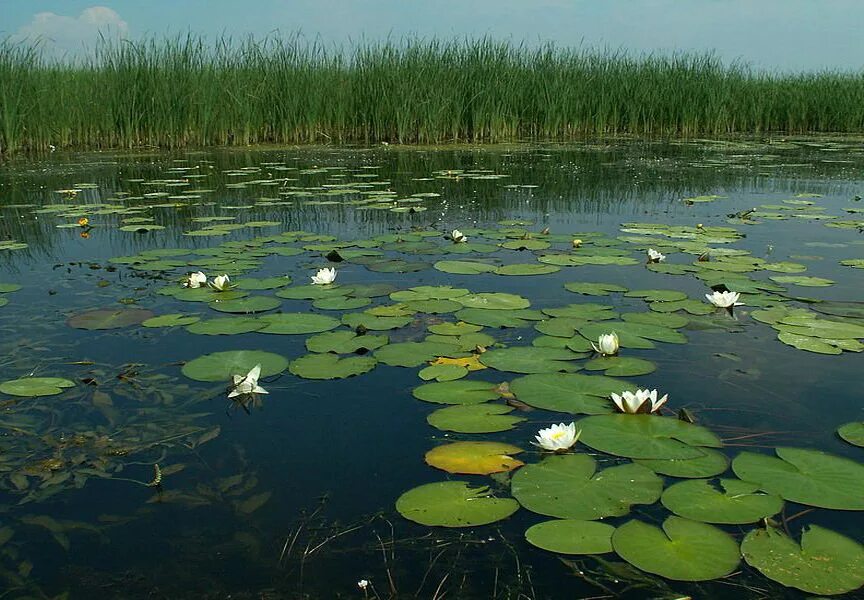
(294, 497)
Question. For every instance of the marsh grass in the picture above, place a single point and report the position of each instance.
(186, 91)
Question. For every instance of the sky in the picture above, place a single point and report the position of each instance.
(778, 35)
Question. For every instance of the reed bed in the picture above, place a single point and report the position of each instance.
(186, 91)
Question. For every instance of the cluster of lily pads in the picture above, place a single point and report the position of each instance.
(619, 451)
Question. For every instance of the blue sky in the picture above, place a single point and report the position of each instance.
(772, 34)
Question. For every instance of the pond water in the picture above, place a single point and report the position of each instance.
(133, 475)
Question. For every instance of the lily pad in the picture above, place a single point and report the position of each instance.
(6, 288)
(500, 318)
(464, 267)
(646, 436)
(620, 366)
(805, 476)
(825, 562)
(373, 322)
(454, 504)
(711, 463)
(331, 366)
(109, 318)
(683, 550)
(593, 289)
(344, 342)
(853, 433)
(568, 487)
(226, 326)
(568, 392)
(454, 329)
(477, 418)
(32, 387)
(526, 269)
(571, 536)
(313, 292)
(531, 359)
(221, 366)
(493, 301)
(297, 323)
(269, 283)
(341, 303)
(445, 372)
(412, 354)
(428, 292)
(802, 280)
(457, 392)
(725, 501)
(252, 304)
(172, 320)
(474, 458)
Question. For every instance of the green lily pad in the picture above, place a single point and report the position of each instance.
(3, 301)
(568, 392)
(571, 536)
(805, 476)
(269, 283)
(683, 550)
(6, 288)
(314, 292)
(593, 289)
(853, 433)
(252, 304)
(711, 463)
(493, 301)
(464, 267)
(499, 318)
(645, 436)
(694, 307)
(222, 366)
(530, 359)
(477, 418)
(568, 487)
(412, 354)
(726, 501)
(526, 269)
(526, 245)
(810, 344)
(657, 295)
(454, 504)
(32, 387)
(457, 392)
(330, 366)
(109, 318)
(825, 562)
(172, 320)
(428, 292)
(454, 329)
(620, 366)
(374, 323)
(474, 458)
(297, 323)
(203, 294)
(433, 307)
(341, 303)
(344, 342)
(226, 326)
(443, 372)
(802, 280)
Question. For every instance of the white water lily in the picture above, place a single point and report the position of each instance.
(195, 280)
(247, 384)
(221, 283)
(557, 438)
(607, 344)
(724, 299)
(654, 256)
(643, 401)
(324, 277)
(458, 236)
(363, 584)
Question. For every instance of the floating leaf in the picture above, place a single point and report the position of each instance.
(805, 476)
(109, 318)
(570, 536)
(825, 562)
(526, 269)
(221, 366)
(270, 283)
(726, 501)
(253, 304)
(453, 504)
(443, 372)
(593, 289)
(454, 329)
(412, 354)
(683, 550)
(330, 366)
(646, 436)
(530, 359)
(853, 433)
(428, 292)
(711, 463)
(493, 301)
(568, 487)
(226, 326)
(474, 458)
(344, 342)
(620, 366)
(172, 320)
(802, 280)
(566, 392)
(464, 267)
(499, 318)
(297, 323)
(31, 387)
(478, 418)
(374, 323)
(456, 392)
(341, 303)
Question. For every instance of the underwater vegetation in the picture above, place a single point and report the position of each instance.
(189, 91)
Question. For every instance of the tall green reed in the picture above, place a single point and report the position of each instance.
(185, 91)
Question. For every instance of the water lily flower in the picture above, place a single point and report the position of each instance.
(221, 283)
(458, 236)
(83, 222)
(577, 243)
(557, 438)
(724, 299)
(324, 277)
(247, 384)
(195, 280)
(607, 344)
(643, 401)
(363, 584)
(654, 256)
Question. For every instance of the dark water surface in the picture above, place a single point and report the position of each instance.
(295, 498)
